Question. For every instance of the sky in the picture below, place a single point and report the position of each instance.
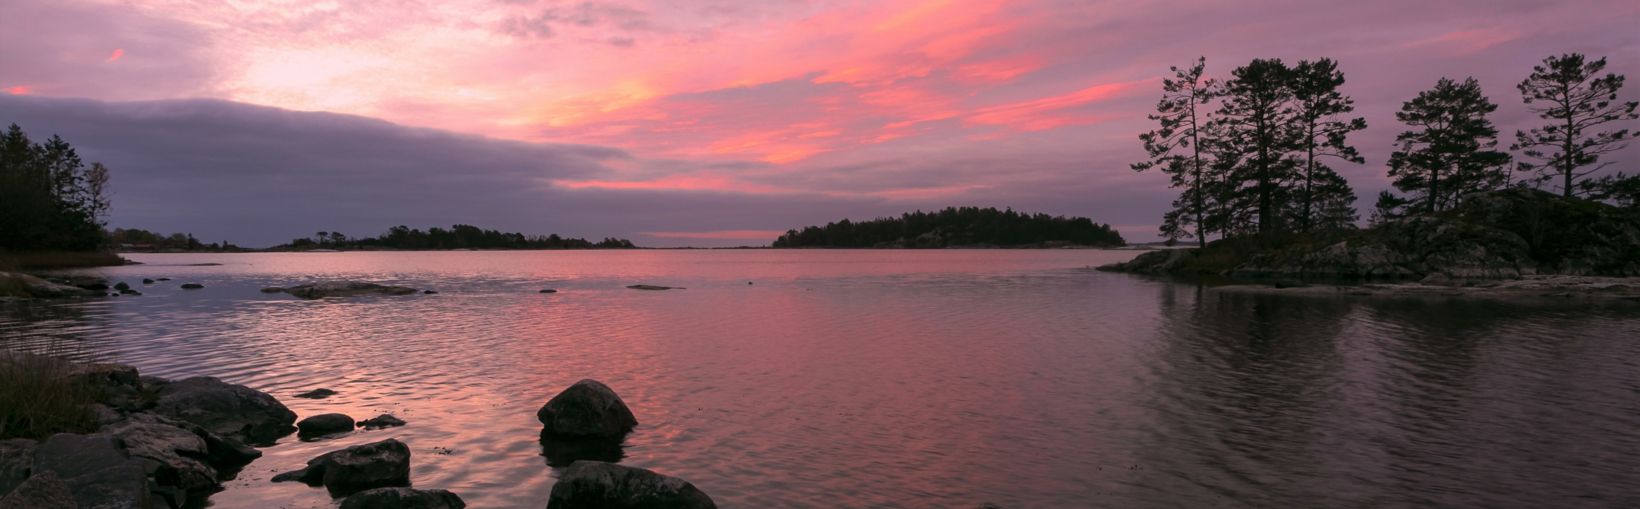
(704, 123)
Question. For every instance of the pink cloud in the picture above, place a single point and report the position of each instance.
(20, 90)
(118, 52)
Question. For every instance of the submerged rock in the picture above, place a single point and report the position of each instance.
(324, 424)
(587, 409)
(600, 485)
(147, 281)
(317, 394)
(42, 491)
(653, 287)
(403, 498)
(358, 468)
(381, 421)
(192, 286)
(229, 410)
(345, 289)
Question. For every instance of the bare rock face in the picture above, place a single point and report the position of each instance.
(403, 498)
(345, 289)
(228, 410)
(43, 491)
(588, 409)
(354, 469)
(600, 485)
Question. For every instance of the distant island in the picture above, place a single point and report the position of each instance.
(459, 236)
(956, 227)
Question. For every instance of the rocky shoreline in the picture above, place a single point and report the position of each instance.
(1540, 288)
(160, 443)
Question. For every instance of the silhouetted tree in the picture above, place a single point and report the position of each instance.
(49, 199)
(1182, 116)
(1325, 199)
(1450, 151)
(1569, 92)
(1257, 117)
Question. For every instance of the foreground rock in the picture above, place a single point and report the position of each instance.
(29, 287)
(355, 469)
(229, 410)
(324, 424)
(1505, 234)
(344, 289)
(588, 409)
(97, 470)
(43, 491)
(600, 485)
(403, 498)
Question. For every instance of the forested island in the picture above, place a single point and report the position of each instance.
(459, 236)
(52, 204)
(956, 227)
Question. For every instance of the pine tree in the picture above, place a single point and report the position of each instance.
(1257, 117)
(1176, 148)
(1569, 92)
(1450, 151)
(1325, 199)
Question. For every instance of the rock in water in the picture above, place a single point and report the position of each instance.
(26, 286)
(381, 421)
(324, 424)
(121, 286)
(403, 498)
(273, 289)
(42, 491)
(653, 287)
(192, 286)
(317, 394)
(599, 485)
(587, 409)
(98, 471)
(345, 289)
(548, 290)
(229, 410)
(361, 467)
(147, 281)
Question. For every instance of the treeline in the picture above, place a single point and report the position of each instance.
(50, 200)
(1253, 154)
(952, 226)
(136, 239)
(460, 236)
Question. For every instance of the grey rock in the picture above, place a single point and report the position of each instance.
(548, 290)
(192, 286)
(324, 424)
(43, 491)
(587, 409)
(29, 287)
(429, 292)
(403, 498)
(122, 286)
(171, 455)
(345, 289)
(317, 394)
(653, 287)
(96, 469)
(381, 421)
(16, 461)
(228, 410)
(600, 485)
(147, 281)
(358, 468)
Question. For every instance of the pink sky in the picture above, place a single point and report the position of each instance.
(895, 105)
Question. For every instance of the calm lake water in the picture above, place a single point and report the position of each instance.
(902, 378)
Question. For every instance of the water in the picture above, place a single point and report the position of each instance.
(903, 378)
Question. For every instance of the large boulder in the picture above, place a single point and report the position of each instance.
(600, 485)
(403, 498)
(228, 410)
(97, 469)
(587, 409)
(324, 424)
(44, 491)
(358, 468)
(345, 289)
(172, 456)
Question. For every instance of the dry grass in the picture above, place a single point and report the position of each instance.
(40, 395)
(37, 260)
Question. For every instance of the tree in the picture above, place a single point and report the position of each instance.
(1450, 150)
(49, 199)
(1257, 119)
(1569, 92)
(1326, 199)
(1182, 119)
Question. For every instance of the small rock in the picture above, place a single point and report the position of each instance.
(317, 394)
(403, 498)
(355, 469)
(596, 484)
(192, 286)
(162, 279)
(653, 287)
(129, 291)
(429, 292)
(587, 409)
(381, 421)
(549, 290)
(121, 286)
(147, 281)
(273, 289)
(324, 424)
(44, 490)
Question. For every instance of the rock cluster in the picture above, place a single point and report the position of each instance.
(583, 427)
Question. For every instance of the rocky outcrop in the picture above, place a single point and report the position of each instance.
(588, 409)
(44, 491)
(29, 287)
(600, 485)
(229, 410)
(403, 498)
(1496, 235)
(345, 289)
(324, 424)
(355, 469)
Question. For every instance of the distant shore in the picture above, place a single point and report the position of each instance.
(48, 260)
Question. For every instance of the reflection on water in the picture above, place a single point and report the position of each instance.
(902, 378)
